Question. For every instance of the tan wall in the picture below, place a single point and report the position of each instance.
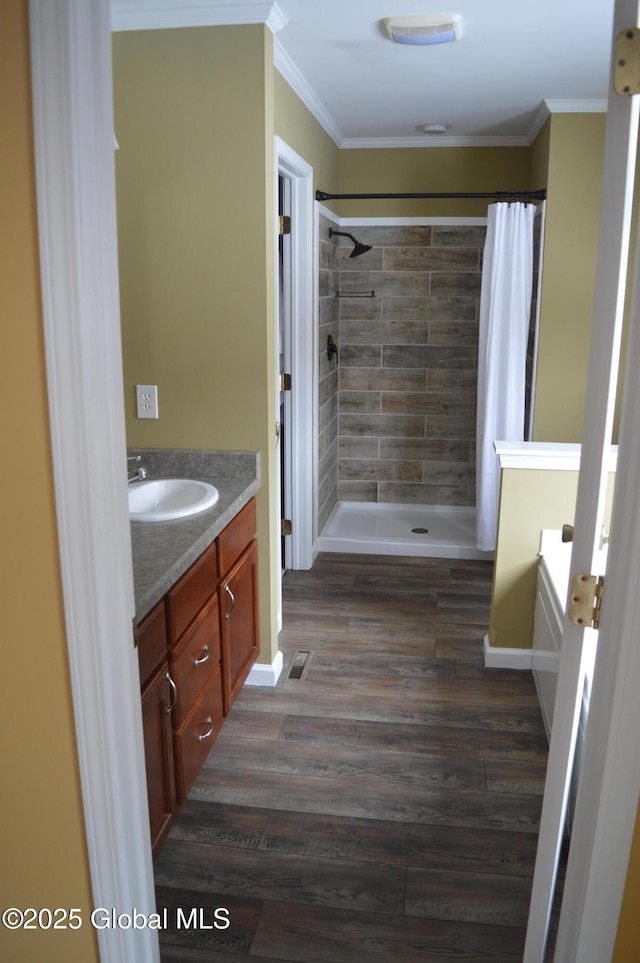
(575, 151)
(627, 948)
(419, 170)
(530, 501)
(194, 120)
(42, 839)
(299, 129)
(539, 157)
(566, 157)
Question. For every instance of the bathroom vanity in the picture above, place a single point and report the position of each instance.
(197, 626)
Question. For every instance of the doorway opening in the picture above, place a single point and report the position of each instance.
(295, 355)
(283, 335)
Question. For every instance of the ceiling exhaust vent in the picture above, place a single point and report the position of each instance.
(423, 31)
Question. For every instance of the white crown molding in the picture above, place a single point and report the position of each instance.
(540, 118)
(361, 143)
(285, 65)
(576, 106)
(548, 107)
(164, 14)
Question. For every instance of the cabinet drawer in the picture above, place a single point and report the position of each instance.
(195, 658)
(190, 592)
(233, 540)
(196, 736)
(152, 641)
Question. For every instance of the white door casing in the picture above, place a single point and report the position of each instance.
(75, 178)
(300, 351)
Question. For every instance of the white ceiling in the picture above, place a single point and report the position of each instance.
(513, 55)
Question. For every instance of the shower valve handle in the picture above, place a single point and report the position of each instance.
(332, 348)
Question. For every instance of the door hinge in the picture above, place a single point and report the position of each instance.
(284, 224)
(285, 381)
(585, 600)
(286, 526)
(626, 73)
(134, 626)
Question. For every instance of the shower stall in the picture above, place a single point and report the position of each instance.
(398, 339)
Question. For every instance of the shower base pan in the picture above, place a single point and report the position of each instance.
(429, 531)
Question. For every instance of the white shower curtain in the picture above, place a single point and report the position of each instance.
(505, 306)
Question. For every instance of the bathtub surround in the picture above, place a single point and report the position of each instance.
(408, 364)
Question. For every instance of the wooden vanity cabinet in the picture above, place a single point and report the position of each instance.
(238, 597)
(238, 593)
(194, 660)
(157, 697)
(195, 650)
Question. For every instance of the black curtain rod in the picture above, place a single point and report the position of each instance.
(495, 195)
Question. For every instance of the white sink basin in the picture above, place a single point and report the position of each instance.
(167, 498)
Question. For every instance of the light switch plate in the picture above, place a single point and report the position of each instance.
(147, 401)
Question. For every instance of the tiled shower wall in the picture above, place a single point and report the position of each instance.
(327, 375)
(406, 407)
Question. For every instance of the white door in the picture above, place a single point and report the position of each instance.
(611, 276)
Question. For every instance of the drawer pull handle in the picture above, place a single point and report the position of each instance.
(204, 657)
(174, 693)
(205, 735)
(229, 612)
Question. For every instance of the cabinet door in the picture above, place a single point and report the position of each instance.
(158, 751)
(239, 626)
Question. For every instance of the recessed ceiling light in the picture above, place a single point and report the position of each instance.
(423, 31)
(433, 128)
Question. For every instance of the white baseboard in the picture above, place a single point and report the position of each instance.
(261, 674)
(499, 658)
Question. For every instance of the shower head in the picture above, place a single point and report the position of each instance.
(358, 248)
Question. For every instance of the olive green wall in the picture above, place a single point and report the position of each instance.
(627, 948)
(539, 156)
(299, 129)
(530, 500)
(42, 834)
(194, 120)
(419, 170)
(574, 186)
(567, 158)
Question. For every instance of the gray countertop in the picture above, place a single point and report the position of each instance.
(163, 551)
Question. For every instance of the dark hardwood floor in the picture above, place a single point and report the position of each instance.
(382, 806)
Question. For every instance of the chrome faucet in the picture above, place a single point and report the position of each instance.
(135, 474)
